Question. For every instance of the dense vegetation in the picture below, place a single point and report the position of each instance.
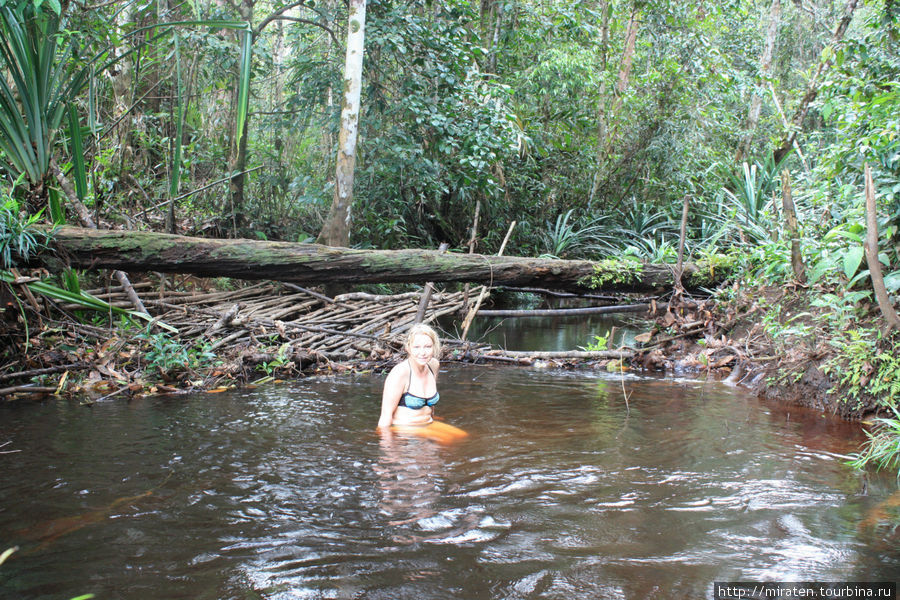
(587, 122)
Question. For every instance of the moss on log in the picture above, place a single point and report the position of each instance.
(311, 264)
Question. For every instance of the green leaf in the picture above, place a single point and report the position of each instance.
(852, 259)
(83, 300)
(840, 232)
(77, 151)
(892, 281)
(72, 282)
(244, 83)
(57, 213)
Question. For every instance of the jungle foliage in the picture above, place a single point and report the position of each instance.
(525, 109)
(587, 122)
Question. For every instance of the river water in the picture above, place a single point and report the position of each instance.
(562, 490)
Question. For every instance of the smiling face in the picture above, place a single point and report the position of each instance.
(421, 348)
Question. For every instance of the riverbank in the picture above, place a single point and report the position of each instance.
(788, 344)
(783, 343)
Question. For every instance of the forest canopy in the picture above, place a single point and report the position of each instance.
(587, 122)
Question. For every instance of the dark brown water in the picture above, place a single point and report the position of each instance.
(547, 333)
(286, 492)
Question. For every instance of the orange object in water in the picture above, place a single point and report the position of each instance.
(438, 431)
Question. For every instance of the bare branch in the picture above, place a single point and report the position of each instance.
(279, 15)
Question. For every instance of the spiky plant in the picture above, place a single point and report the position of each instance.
(40, 82)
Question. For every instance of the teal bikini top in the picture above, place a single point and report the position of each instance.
(416, 402)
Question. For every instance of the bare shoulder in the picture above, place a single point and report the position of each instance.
(435, 365)
(398, 371)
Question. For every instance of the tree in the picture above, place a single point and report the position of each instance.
(605, 134)
(336, 230)
(439, 130)
(238, 161)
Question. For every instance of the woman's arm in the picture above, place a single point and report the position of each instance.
(390, 397)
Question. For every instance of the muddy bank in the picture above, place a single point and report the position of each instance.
(784, 346)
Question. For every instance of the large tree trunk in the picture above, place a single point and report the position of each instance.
(627, 54)
(601, 102)
(336, 230)
(311, 264)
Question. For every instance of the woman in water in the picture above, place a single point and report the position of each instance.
(410, 390)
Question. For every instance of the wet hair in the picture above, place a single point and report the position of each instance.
(423, 329)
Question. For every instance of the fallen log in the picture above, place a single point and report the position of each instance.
(46, 371)
(26, 389)
(568, 312)
(562, 354)
(312, 264)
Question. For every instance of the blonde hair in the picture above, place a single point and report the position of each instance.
(423, 329)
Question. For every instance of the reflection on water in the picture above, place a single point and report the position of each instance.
(547, 333)
(287, 492)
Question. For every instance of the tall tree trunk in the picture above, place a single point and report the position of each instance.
(336, 230)
(812, 87)
(601, 152)
(238, 162)
(892, 320)
(495, 37)
(487, 8)
(604, 33)
(237, 166)
(765, 72)
(278, 56)
(627, 55)
(790, 220)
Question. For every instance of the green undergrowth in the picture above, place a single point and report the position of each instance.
(712, 268)
(865, 365)
(882, 449)
(615, 272)
(837, 333)
(169, 358)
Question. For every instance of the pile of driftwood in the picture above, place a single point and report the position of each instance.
(265, 327)
(347, 327)
(308, 327)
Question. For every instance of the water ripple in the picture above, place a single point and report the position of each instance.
(286, 492)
